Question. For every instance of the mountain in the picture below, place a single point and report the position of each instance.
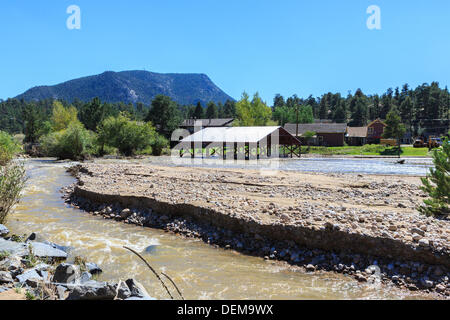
(133, 86)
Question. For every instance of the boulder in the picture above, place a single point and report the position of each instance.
(14, 248)
(92, 290)
(3, 231)
(38, 238)
(123, 292)
(85, 277)
(43, 250)
(136, 289)
(125, 213)
(66, 273)
(92, 268)
(29, 275)
(5, 277)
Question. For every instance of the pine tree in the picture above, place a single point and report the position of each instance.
(199, 112)
(437, 184)
(211, 111)
(394, 129)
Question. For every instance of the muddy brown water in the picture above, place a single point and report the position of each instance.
(201, 271)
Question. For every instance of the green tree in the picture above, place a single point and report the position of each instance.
(91, 114)
(229, 109)
(212, 111)
(127, 135)
(164, 115)
(394, 129)
(437, 183)
(199, 112)
(252, 113)
(62, 117)
(75, 142)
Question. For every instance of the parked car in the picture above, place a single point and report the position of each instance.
(419, 143)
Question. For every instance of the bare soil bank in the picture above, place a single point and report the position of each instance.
(347, 221)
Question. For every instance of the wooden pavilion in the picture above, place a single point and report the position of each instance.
(244, 142)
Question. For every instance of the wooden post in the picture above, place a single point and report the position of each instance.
(224, 150)
(247, 151)
(193, 150)
(235, 151)
(257, 150)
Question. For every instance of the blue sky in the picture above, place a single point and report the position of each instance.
(286, 46)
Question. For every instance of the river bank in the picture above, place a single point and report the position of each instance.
(36, 269)
(343, 223)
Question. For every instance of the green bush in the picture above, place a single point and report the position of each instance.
(8, 148)
(159, 144)
(128, 136)
(12, 182)
(75, 143)
(437, 184)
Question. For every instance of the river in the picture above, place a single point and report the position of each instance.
(201, 271)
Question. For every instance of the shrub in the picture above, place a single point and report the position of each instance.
(126, 135)
(437, 183)
(12, 181)
(8, 148)
(75, 143)
(159, 143)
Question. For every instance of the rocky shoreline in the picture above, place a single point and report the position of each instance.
(181, 200)
(36, 269)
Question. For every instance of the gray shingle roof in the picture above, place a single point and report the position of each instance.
(316, 127)
(204, 123)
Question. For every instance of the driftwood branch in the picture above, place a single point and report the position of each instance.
(153, 270)
(178, 290)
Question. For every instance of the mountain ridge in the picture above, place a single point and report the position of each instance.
(133, 86)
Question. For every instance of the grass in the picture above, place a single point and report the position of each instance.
(369, 150)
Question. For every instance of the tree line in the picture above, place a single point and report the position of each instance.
(422, 108)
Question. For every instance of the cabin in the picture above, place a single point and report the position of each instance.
(240, 143)
(194, 125)
(327, 134)
(370, 134)
(356, 136)
(375, 131)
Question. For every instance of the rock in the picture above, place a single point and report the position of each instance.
(43, 250)
(427, 283)
(126, 213)
(416, 237)
(440, 288)
(3, 231)
(123, 292)
(92, 290)
(392, 227)
(418, 231)
(29, 275)
(140, 298)
(66, 273)
(93, 268)
(14, 248)
(360, 277)
(11, 264)
(136, 289)
(61, 291)
(5, 277)
(310, 268)
(85, 277)
(424, 243)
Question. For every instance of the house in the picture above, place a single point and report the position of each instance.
(253, 141)
(375, 131)
(193, 125)
(356, 136)
(327, 134)
(371, 134)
